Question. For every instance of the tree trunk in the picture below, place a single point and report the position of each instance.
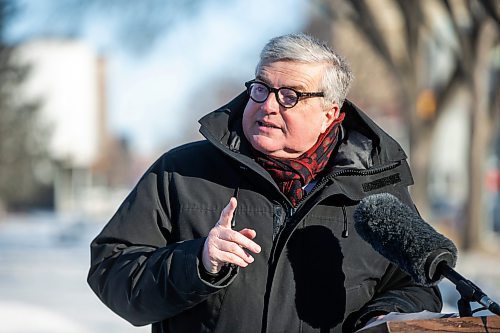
(481, 130)
(421, 146)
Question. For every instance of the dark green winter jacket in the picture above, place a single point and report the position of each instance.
(314, 273)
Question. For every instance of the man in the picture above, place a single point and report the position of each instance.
(251, 230)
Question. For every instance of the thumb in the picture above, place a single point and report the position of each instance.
(227, 213)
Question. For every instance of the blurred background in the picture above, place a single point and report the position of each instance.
(93, 91)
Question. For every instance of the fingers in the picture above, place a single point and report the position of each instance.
(240, 240)
(219, 251)
(248, 233)
(234, 253)
(227, 214)
(225, 245)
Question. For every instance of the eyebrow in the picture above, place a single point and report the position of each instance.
(263, 79)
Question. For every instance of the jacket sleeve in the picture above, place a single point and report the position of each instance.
(137, 269)
(397, 292)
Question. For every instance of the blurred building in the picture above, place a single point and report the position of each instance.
(63, 77)
(67, 77)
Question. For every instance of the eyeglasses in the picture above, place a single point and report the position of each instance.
(286, 97)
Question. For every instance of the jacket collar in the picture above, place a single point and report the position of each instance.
(364, 144)
(223, 129)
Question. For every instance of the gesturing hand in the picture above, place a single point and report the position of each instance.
(224, 245)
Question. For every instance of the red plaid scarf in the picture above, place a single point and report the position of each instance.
(292, 175)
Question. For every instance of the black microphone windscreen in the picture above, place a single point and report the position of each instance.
(398, 233)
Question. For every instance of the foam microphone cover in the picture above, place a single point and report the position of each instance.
(399, 234)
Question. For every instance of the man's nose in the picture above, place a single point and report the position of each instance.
(270, 105)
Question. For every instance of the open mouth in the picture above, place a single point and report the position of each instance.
(269, 125)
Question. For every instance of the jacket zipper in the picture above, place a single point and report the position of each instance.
(290, 211)
(355, 172)
(290, 214)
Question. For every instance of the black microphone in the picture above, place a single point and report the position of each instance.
(398, 233)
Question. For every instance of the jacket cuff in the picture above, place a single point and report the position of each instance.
(188, 279)
(220, 279)
(365, 318)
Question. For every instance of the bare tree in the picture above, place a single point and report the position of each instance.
(134, 26)
(22, 147)
(474, 25)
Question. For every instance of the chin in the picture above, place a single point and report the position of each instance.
(263, 150)
(277, 153)
(264, 145)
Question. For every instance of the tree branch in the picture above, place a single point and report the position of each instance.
(413, 19)
(364, 21)
(491, 10)
(464, 55)
(447, 91)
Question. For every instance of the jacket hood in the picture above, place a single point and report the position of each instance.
(363, 144)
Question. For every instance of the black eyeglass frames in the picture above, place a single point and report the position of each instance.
(286, 97)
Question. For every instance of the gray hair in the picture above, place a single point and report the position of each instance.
(307, 49)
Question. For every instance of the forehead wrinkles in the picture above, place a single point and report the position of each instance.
(293, 76)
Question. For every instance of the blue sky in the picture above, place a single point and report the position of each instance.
(149, 93)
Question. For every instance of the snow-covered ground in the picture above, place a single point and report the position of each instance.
(43, 288)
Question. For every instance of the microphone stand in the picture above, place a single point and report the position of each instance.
(469, 292)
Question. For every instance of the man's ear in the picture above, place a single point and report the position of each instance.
(332, 112)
